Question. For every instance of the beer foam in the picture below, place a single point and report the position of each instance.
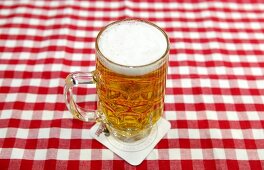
(132, 43)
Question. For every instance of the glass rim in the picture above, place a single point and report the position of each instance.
(163, 56)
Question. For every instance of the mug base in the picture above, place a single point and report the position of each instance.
(135, 143)
(132, 138)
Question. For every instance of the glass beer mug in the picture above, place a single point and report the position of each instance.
(130, 77)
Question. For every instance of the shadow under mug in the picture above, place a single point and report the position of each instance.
(128, 104)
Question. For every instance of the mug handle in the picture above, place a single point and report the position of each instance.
(74, 79)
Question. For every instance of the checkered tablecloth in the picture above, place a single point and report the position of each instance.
(214, 96)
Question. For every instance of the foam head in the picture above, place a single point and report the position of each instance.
(132, 43)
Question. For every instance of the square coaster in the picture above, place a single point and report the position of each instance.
(134, 153)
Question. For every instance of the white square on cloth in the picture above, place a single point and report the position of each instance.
(133, 153)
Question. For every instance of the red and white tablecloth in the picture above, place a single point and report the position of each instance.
(214, 96)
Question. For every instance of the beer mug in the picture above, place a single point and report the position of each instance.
(130, 78)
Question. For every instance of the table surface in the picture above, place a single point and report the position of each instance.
(214, 96)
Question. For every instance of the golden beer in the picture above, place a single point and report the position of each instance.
(130, 104)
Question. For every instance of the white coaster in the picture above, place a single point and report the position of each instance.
(134, 153)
